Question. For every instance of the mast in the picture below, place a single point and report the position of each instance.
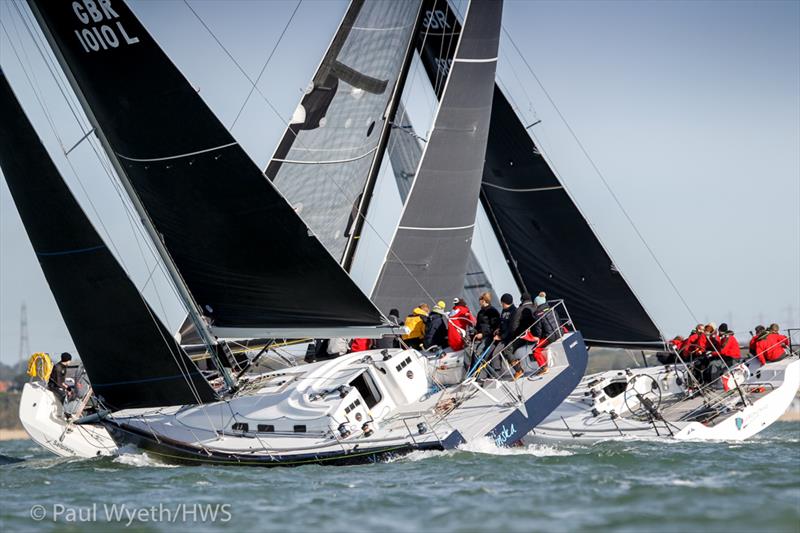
(193, 308)
(375, 168)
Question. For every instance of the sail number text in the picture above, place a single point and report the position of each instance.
(96, 36)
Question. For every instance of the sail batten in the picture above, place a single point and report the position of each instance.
(244, 254)
(129, 356)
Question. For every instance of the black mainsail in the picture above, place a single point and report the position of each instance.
(130, 357)
(247, 258)
(428, 255)
(547, 242)
(334, 139)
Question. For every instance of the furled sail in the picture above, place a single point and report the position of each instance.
(248, 259)
(333, 140)
(404, 154)
(130, 357)
(548, 243)
(427, 257)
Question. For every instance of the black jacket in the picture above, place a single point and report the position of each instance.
(545, 327)
(57, 376)
(523, 318)
(506, 329)
(488, 320)
(436, 331)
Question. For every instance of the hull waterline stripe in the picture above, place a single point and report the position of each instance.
(179, 156)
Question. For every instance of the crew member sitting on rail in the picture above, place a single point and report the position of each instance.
(773, 347)
(58, 377)
(416, 322)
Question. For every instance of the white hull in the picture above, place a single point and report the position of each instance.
(770, 390)
(356, 408)
(42, 416)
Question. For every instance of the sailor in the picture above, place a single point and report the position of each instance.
(728, 346)
(459, 324)
(761, 332)
(546, 321)
(58, 377)
(416, 322)
(488, 321)
(522, 320)
(436, 328)
(505, 334)
(773, 347)
(390, 341)
(695, 343)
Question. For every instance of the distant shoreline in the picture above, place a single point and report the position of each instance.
(13, 434)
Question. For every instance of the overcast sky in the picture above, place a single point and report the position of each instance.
(690, 110)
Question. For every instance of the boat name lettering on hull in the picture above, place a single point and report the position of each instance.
(505, 435)
(95, 37)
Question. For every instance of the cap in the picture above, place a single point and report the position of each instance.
(507, 299)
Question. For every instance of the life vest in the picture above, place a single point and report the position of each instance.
(40, 366)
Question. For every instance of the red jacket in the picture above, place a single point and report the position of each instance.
(457, 324)
(730, 347)
(771, 347)
(359, 345)
(692, 344)
(752, 345)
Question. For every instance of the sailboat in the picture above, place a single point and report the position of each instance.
(247, 265)
(549, 244)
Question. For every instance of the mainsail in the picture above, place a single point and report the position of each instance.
(130, 357)
(547, 242)
(427, 257)
(247, 258)
(334, 139)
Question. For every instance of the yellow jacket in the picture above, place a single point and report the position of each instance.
(415, 322)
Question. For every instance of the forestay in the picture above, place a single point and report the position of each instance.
(325, 156)
(130, 357)
(547, 242)
(428, 255)
(245, 255)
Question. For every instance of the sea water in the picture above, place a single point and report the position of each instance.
(625, 485)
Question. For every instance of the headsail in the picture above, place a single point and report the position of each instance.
(404, 153)
(428, 255)
(245, 255)
(130, 357)
(324, 159)
(548, 243)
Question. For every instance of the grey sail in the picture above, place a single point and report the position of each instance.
(428, 255)
(404, 154)
(325, 158)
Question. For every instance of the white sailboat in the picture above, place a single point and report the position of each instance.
(357, 408)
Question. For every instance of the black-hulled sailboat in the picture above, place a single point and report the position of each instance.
(247, 265)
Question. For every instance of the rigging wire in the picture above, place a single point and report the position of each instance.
(601, 176)
(269, 57)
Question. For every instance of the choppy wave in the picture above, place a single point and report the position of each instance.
(133, 457)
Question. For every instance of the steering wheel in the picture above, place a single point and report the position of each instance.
(646, 390)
